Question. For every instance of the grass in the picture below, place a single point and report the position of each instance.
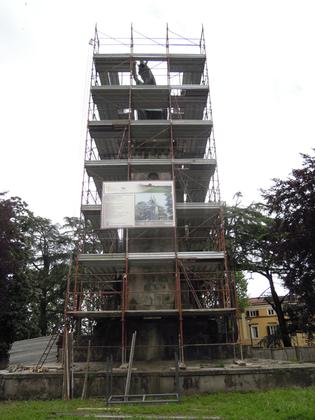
(277, 404)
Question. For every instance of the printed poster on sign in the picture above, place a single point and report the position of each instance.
(137, 204)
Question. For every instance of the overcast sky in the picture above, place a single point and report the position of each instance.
(261, 65)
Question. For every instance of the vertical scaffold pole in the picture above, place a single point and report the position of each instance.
(180, 314)
(65, 315)
(124, 307)
(177, 272)
(126, 233)
(168, 56)
(130, 363)
(75, 288)
(66, 366)
(227, 300)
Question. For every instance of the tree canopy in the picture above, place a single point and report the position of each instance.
(14, 254)
(291, 202)
(34, 257)
(251, 239)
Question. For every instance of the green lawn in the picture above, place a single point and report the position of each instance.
(279, 404)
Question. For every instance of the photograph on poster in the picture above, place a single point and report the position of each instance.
(154, 206)
(137, 204)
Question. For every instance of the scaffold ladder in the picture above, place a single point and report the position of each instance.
(43, 357)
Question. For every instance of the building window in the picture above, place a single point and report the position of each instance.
(271, 312)
(252, 314)
(272, 329)
(254, 331)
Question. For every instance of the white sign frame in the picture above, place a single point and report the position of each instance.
(133, 204)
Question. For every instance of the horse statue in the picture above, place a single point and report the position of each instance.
(144, 72)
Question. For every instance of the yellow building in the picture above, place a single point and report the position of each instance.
(259, 320)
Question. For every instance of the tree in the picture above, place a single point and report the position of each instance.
(14, 254)
(51, 250)
(82, 235)
(251, 237)
(292, 203)
(241, 290)
(34, 257)
(53, 246)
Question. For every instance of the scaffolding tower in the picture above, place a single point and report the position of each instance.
(150, 124)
